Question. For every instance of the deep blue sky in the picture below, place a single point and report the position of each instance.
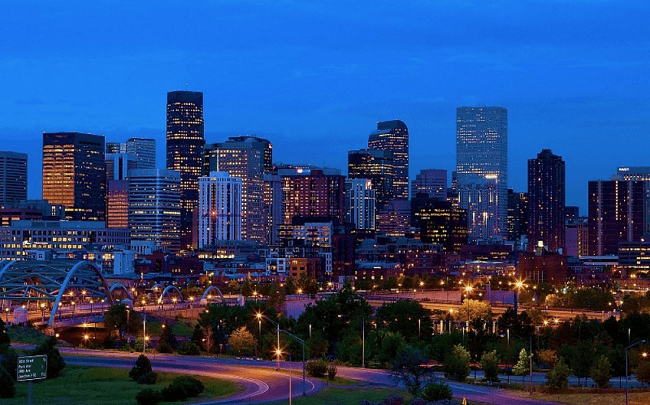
(315, 78)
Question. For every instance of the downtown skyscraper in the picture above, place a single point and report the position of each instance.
(13, 178)
(185, 141)
(393, 136)
(546, 196)
(482, 169)
(220, 209)
(74, 174)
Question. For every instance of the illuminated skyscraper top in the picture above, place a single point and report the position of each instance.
(393, 136)
(185, 140)
(482, 153)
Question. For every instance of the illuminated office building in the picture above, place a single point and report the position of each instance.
(393, 136)
(118, 166)
(220, 209)
(546, 196)
(638, 173)
(155, 207)
(245, 157)
(517, 219)
(360, 203)
(273, 206)
(144, 151)
(74, 174)
(13, 178)
(378, 167)
(442, 224)
(185, 141)
(482, 154)
(433, 182)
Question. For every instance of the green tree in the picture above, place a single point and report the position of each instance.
(474, 310)
(601, 372)
(410, 367)
(643, 372)
(290, 287)
(522, 367)
(167, 342)
(456, 364)
(407, 317)
(490, 366)
(316, 346)
(308, 285)
(242, 340)
(558, 377)
(116, 319)
(5, 340)
(547, 357)
(55, 363)
(277, 299)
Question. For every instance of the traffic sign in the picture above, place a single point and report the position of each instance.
(32, 368)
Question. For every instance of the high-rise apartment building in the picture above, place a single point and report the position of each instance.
(546, 194)
(155, 207)
(482, 153)
(393, 136)
(430, 181)
(220, 209)
(273, 206)
(479, 197)
(360, 203)
(245, 157)
(13, 178)
(74, 174)
(312, 193)
(517, 219)
(185, 141)
(378, 167)
(616, 214)
(638, 173)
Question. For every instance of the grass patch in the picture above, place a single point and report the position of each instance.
(106, 386)
(336, 395)
(591, 398)
(23, 334)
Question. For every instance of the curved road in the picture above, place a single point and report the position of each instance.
(263, 384)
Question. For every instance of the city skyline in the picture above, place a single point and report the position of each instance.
(570, 74)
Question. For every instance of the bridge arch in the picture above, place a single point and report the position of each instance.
(212, 287)
(168, 289)
(120, 286)
(40, 280)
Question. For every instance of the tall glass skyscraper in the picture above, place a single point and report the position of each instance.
(13, 177)
(393, 136)
(185, 140)
(482, 154)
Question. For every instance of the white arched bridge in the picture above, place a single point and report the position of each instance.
(70, 289)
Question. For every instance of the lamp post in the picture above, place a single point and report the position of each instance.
(259, 316)
(304, 393)
(144, 333)
(627, 402)
(518, 285)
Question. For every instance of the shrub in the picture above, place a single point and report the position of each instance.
(189, 349)
(174, 392)
(7, 387)
(182, 388)
(436, 392)
(148, 397)
(331, 372)
(393, 400)
(142, 367)
(316, 368)
(193, 387)
(149, 379)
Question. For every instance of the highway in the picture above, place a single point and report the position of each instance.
(263, 384)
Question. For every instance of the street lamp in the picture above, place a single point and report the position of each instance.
(259, 316)
(627, 402)
(518, 285)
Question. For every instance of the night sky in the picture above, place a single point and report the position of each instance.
(315, 78)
